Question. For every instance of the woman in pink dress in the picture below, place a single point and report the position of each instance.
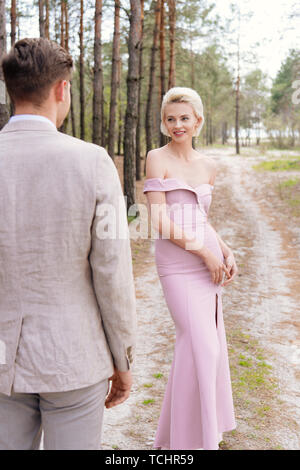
(193, 264)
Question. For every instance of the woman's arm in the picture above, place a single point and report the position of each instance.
(166, 227)
(158, 211)
(229, 258)
(225, 248)
(227, 252)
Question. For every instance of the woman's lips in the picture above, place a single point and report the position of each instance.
(179, 132)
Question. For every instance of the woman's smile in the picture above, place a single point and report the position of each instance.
(178, 132)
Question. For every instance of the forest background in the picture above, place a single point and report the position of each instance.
(128, 54)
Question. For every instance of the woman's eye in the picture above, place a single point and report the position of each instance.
(171, 119)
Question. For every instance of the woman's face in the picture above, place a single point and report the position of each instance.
(180, 121)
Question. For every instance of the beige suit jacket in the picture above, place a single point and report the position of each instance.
(67, 300)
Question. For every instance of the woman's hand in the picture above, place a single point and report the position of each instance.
(214, 265)
(231, 266)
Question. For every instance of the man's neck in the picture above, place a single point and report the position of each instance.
(49, 114)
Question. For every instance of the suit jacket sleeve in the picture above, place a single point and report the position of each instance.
(111, 264)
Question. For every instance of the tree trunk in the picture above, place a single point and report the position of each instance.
(41, 18)
(66, 25)
(62, 23)
(149, 117)
(104, 123)
(207, 127)
(120, 131)
(13, 24)
(237, 111)
(73, 123)
(237, 91)
(114, 82)
(98, 77)
(47, 25)
(62, 43)
(56, 22)
(162, 61)
(120, 120)
(81, 74)
(138, 128)
(224, 133)
(132, 101)
(172, 23)
(13, 21)
(210, 130)
(192, 69)
(3, 106)
(65, 43)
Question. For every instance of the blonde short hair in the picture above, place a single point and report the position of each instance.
(182, 95)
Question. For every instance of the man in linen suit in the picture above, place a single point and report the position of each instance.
(67, 301)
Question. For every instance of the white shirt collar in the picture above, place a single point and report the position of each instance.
(30, 117)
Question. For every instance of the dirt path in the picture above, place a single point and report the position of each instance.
(261, 310)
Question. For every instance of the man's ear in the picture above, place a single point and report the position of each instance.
(60, 89)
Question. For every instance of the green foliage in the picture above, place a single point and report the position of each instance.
(201, 54)
(158, 376)
(149, 401)
(253, 101)
(283, 118)
(214, 82)
(279, 165)
(289, 183)
(282, 90)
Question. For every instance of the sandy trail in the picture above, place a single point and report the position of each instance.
(263, 301)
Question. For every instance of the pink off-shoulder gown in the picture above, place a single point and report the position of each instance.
(197, 405)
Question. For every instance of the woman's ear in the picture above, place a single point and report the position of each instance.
(198, 123)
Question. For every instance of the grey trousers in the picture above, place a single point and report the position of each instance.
(69, 420)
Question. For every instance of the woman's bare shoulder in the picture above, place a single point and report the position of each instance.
(160, 151)
(211, 162)
(155, 163)
(211, 166)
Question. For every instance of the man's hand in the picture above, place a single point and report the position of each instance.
(121, 383)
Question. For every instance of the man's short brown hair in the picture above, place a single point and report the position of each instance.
(32, 66)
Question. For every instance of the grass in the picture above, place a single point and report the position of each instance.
(289, 191)
(158, 376)
(269, 147)
(279, 165)
(294, 202)
(244, 361)
(255, 390)
(289, 183)
(148, 401)
(263, 410)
